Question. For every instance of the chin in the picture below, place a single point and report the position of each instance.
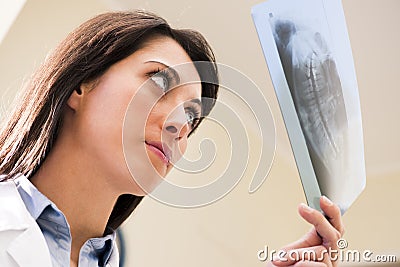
(159, 166)
(128, 185)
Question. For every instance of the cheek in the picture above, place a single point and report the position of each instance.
(100, 135)
(154, 122)
(106, 116)
(144, 115)
(101, 121)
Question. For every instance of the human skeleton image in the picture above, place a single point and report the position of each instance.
(316, 90)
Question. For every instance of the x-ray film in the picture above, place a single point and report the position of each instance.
(307, 49)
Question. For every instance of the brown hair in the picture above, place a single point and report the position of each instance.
(86, 53)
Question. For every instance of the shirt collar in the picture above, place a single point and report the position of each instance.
(34, 201)
(40, 207)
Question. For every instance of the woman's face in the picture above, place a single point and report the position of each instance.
(131, 123)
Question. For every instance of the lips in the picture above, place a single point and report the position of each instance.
(160, 149)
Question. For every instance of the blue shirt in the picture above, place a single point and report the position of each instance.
(56, 230)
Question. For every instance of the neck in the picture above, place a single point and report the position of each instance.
(79, 192)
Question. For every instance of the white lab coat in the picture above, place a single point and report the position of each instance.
(22, 243)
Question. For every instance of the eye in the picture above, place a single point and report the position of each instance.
(192, 117)
(164, 79)
(161, 81)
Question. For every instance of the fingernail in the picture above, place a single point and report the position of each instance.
(327, 201)
(306, 208)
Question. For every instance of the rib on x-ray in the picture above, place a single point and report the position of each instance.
(316, 90)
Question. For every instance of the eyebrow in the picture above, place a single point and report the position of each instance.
(196, 101)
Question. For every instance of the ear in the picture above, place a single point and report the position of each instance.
(76, 98)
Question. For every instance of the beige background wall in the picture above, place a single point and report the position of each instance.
(232, 230)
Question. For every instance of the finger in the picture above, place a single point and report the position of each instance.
(309, 264)
(333, 213)
(310, 239)
(328, 233)
(270, 264)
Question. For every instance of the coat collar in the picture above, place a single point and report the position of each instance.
(28, 247)
(14, 215)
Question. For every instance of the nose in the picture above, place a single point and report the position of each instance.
(176, 125)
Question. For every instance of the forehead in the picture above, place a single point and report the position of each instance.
(168, 52)
(159, 44)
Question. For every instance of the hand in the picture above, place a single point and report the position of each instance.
(322, 237)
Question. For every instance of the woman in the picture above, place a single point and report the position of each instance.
(66, 183)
